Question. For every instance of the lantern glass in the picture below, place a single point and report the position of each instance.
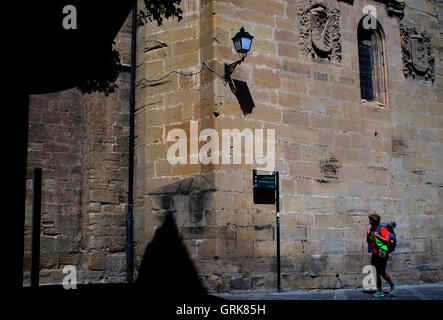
(237, 44)
(246, 44)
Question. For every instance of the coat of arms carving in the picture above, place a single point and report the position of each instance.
(320, 30)
(417, 54)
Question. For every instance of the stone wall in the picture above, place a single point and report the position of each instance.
(81, 143)
(338, 156)
(55, 145)
(105, 185)
(167, 96)
(382, 157)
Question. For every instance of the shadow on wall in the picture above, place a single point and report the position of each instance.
(166, 264)
(241, 91)
(166, 273)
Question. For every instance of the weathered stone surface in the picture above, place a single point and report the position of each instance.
(338, 157)
(81, 143)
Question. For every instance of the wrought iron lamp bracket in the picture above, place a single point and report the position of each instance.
(229, 69)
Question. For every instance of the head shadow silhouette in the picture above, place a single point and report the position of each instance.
(166, 265)
(241, 91)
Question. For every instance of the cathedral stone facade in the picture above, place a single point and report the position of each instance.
(340, 151)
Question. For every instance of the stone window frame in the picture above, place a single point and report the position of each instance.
(379, 69)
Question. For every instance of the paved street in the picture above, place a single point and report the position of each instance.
(406, 292)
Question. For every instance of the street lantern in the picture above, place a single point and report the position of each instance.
(242, 42)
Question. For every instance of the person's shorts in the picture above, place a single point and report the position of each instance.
(379, 263)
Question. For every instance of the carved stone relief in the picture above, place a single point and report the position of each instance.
(320, 30)
(395, 7)
(417, 54)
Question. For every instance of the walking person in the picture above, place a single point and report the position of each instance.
(378, 238)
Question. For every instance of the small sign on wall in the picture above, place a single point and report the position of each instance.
(266, 190)
(264, 187)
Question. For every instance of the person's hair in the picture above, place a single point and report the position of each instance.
(374, 216)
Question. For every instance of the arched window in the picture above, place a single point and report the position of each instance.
(371, 59)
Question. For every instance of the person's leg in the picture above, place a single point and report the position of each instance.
(383, 262)
(375, 261)
(388, 279)
(393, 289)
(382, 271)
(378, 282)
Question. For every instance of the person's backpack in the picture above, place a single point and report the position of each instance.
(390, 226)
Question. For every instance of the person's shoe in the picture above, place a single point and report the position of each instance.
(394, 291)
(378, 294)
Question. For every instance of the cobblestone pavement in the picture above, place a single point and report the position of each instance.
(405, 292)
